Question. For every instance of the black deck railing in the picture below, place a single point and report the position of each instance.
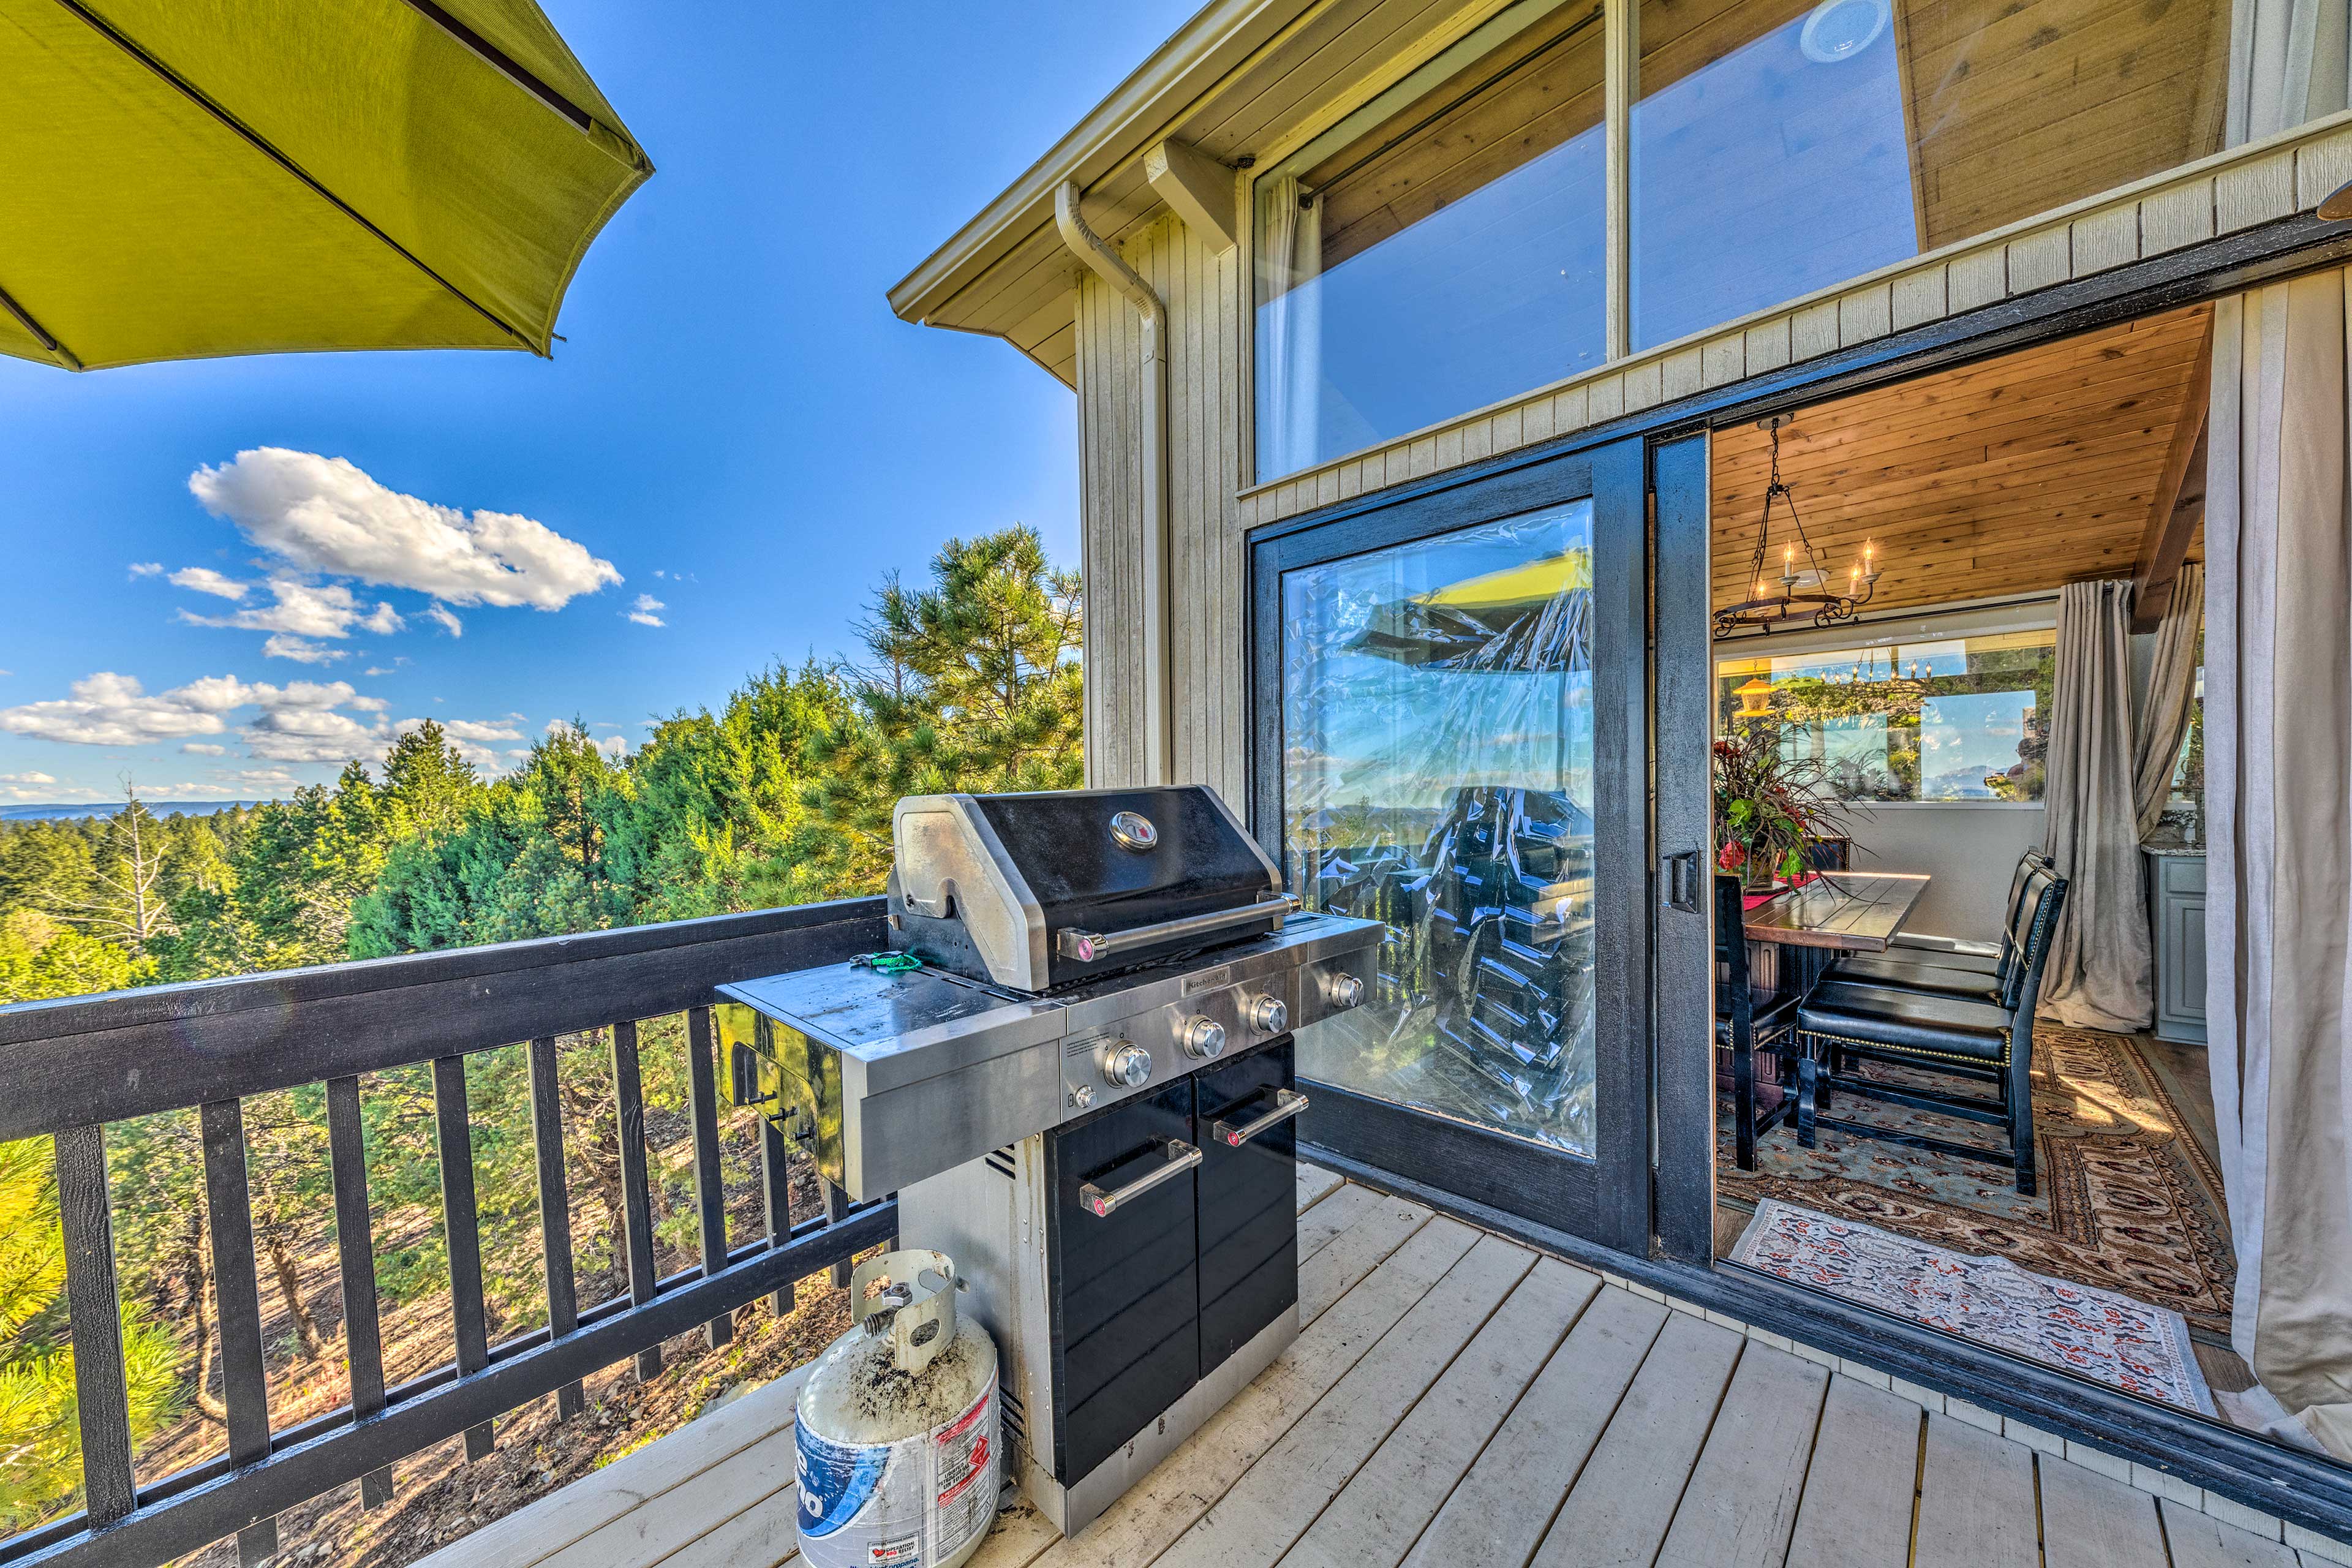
(69, 1069)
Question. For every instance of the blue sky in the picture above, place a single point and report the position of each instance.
(736, 424)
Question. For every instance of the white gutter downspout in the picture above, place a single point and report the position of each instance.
(1159, 672)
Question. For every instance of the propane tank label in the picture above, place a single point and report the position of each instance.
(907, 1504)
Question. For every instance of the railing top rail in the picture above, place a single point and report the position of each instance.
(102, 1059)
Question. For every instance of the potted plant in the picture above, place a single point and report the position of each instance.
(1770, 809)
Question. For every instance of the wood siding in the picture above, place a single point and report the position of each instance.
(1208, 574)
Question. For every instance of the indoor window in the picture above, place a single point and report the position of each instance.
(1951, 719)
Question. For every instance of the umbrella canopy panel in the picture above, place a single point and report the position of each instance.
(189, 178)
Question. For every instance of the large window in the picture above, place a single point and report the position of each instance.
(1448, 245)
(1446, 255)
(1437, 775)
(1953, 719)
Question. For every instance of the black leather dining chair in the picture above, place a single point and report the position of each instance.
(1987, 1041)
(1944, 971)
(1745, 1021)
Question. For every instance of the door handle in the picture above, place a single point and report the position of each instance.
(1182, 1157)
(1288, 1103)
(1680, 876)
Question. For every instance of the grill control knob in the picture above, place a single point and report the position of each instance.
(1201, 1035)
(1128, 1066)
(1266, 1015)
(1342, 990)
(1082, 1097)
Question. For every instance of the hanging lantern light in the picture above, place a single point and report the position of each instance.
(1801, 588)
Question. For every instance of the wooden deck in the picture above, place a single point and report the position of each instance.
(1458, 1399)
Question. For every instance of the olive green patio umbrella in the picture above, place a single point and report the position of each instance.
(186, 178)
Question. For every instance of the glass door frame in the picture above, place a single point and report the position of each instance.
(1605, 1199)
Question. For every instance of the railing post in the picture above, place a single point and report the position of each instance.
(236, 1288)
(554, 1211)
(709, 1187)
(94, 1308)
(461, 1223)
(355, 1249)
(629, 1107)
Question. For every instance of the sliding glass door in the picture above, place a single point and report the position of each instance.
(1451, 733)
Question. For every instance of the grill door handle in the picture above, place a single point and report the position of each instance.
(1182, 1157)
(1086, 946)
(1288, 1103)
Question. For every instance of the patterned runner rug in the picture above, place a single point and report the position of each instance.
(2129, 1201)
(2097, 1334)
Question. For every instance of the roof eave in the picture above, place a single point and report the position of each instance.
(1123, 126)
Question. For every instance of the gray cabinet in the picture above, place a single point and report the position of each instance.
(2176, 908)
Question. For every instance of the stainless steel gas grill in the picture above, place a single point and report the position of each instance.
(1075, 1068)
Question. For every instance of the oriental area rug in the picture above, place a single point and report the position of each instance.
(2097, 1334)
(2129, 1200)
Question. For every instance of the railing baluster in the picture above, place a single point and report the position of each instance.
(95, 1312)
(709, 1188)
(629, 1106)
(355, 1247)
(836, 1204)
(237, 1288)
(776, 1194)
(554, 1211)
(462, 1226)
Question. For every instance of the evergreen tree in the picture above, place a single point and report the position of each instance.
(973, 684)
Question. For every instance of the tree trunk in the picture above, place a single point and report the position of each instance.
(200, 1308)
(281, 1263)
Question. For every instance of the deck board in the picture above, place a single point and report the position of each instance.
(2091, 1521)
(1741, 1504)
(1975, 1500)
(1378, 1515)
(1622, 1505)
(1457, 1398)
(1856, 1511)
(1502, 1508)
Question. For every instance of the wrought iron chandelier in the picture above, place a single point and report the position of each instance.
(1800, 588)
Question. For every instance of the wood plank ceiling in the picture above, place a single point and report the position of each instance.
(2009, 477)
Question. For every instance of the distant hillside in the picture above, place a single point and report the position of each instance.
(108, 807)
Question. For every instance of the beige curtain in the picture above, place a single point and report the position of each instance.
(2099, 971)
(2290, 61)
(2278, 770)
(2171, 689)
(1290, 373)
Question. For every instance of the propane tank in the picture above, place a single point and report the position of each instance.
(899, 1453)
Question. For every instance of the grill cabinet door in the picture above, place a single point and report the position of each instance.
(1126, 1285)
(1249, 1204)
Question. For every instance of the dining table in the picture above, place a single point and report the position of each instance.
(1793, 934)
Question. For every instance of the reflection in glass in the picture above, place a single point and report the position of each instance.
(1437, 775)
(1444, 250)
(1780, 148)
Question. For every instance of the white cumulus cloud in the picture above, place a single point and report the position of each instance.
(326, 515)
(204, 749)
(302, 722)
(440, 616)
(154, 569)
(286, 644)
(205, 580)
(27, 778)
(643, 611)
(303, 609)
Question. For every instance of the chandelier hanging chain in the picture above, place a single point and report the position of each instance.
(1759, 612)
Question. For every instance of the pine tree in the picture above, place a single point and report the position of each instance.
(973, 683)
(40, 1437)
